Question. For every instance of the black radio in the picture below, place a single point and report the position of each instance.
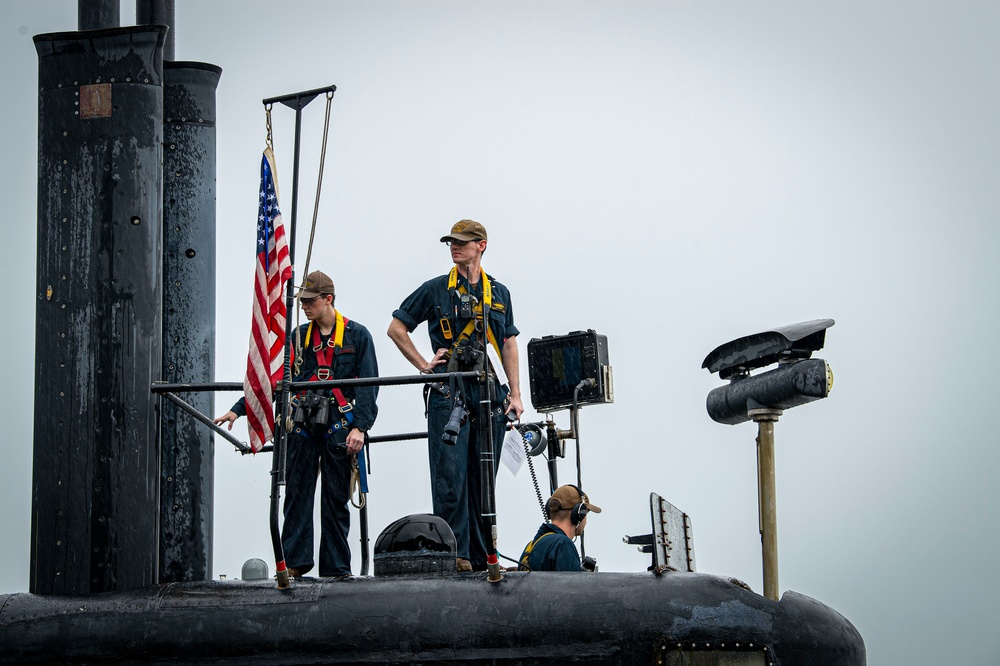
(557, 365)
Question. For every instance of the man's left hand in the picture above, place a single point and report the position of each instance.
(355, 440)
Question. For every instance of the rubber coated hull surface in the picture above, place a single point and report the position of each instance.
(528, 618)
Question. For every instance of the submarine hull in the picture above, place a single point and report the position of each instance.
(527, 618)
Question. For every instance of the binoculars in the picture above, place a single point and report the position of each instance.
(456, 420)
(312, 410)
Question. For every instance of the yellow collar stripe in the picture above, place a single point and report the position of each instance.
(487, 304)
(338, 336)
(487, 287)
(338, 331)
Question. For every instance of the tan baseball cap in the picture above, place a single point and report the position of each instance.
(466, 230)
(569, 496)
(316, 284)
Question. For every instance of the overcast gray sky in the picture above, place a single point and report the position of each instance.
(672, 175)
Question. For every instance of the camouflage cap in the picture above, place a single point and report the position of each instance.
(317, 283)
(466, 230)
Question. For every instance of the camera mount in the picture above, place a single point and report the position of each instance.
(798, 379)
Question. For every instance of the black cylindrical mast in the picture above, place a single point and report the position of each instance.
(98, 14)
(158, 12)
(187, 451)
(98, 313)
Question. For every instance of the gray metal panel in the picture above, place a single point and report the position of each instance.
(187, 450)
(98, 322)
(673, 537)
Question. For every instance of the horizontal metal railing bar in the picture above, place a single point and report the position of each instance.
(402, 437)
(190, 409)
(374, 439)
(281, 99)
(163, 387)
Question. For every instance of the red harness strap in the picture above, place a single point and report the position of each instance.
(326, 356)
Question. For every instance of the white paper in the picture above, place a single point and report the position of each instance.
(512, 454)
(496, 364)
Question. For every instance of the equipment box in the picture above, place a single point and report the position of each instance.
(558, 363)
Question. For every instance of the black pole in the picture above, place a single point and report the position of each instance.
(201, 418)
(363, 520)
(487, 486)
(194, 387)
(98, 14)
(188, 387)
(575, 423)
(158, 12)
(552, 453)
(299, 100)
(296, 101)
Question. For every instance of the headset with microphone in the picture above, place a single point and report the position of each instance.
(579, 510)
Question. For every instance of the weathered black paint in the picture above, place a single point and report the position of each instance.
(787, 386)
(98, 322)
(158, 12)
(527, 618)
(189, 242)
(784, 343)
(98, 14)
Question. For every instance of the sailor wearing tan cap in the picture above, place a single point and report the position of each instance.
(470, 319)
(552, 548)
(329, 429)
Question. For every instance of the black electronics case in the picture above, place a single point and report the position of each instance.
(558, 363)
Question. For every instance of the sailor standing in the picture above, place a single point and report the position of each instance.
(469, 317)
(328, 432)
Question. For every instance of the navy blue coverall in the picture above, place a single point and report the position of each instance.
(552, 551)
(324, 451)
(455, 469)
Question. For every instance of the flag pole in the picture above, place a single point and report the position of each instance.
(296, 101)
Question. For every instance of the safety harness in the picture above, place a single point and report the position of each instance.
(326, 361)
(480, 321)
(531, 547)
(478, 309)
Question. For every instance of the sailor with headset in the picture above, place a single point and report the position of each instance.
(552, 548)
(470, 321)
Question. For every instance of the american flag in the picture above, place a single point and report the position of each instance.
(265, 362)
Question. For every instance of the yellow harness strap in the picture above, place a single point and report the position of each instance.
(338, 331)
(481, 309)
(531, 547)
